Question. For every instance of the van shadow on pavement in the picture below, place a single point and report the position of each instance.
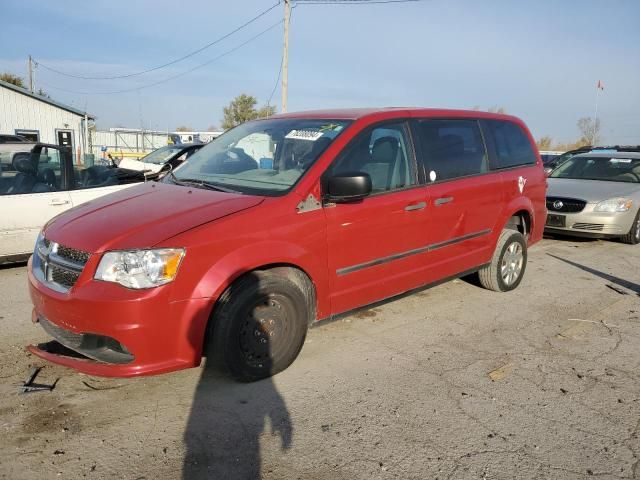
(226, 422)
(222, 437)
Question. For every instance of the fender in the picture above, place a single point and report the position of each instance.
(256, 255)
(251, 257)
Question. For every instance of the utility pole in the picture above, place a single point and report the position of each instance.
(30, 74)
(599, 87)
(285, 55)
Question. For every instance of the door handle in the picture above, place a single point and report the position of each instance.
(443, 200)
(57, 201)
(415, 206)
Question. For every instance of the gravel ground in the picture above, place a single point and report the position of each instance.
(451, 382)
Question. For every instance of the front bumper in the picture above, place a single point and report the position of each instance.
(590, 223)
(119, 332)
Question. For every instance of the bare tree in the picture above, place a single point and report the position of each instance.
(589, 131)
(13, 79)
(184, 129)
(545, 143)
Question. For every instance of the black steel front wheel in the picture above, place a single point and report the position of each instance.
(259, 326)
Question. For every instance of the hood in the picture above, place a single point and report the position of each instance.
(592, 191)
(131, 164)
(142, 216)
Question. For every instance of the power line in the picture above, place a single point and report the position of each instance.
(177, 75)
(351, 2)
(275, 87)
(191, 54)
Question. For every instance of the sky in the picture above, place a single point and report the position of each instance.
(539, 60)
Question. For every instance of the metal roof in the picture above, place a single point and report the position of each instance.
(26, 92)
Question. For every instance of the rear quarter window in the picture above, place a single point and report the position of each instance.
(512, 145)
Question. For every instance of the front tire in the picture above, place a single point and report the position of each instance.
(508, 264)
(633, 237)
(258, 327)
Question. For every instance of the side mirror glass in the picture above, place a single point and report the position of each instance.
(348, 187)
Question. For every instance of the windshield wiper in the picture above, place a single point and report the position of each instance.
(201, 183)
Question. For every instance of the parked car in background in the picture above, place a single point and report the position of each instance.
(47, 182)
(164, 158)
(553, 163)
(596, 194)
(11, 152)
(237, 255)
(547, 156)
(11, 138)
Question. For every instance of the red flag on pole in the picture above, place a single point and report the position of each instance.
(600, 85)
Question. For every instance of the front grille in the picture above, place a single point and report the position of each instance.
(62, 276)
(77, 256)
(58, 266)
(597, 227)
(567, 205)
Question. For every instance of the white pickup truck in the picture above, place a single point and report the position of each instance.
(39, 181)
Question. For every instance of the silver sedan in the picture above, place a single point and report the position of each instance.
(596, 195)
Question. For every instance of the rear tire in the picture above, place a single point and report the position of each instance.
(258, 327)
(508, 264)
(633, 237)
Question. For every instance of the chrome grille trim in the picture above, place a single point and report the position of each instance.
(56, 259)
(58, 266)
(598, 227)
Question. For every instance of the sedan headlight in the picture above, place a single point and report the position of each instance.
(140, 268)
(614, 205)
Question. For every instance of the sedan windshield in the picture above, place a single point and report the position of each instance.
(600, 168)
(265, 157)
(161, 155)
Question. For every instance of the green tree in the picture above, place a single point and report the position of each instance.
(242, 109)
(13, 79)
(589, 131)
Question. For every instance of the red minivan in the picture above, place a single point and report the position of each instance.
(280, 223)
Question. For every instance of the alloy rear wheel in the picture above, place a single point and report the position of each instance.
(506, 270)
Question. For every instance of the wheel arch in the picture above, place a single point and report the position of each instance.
(284, 258)
(291, 271)
(519, 215)
(521, 221)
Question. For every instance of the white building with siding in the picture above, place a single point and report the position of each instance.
(41, 119)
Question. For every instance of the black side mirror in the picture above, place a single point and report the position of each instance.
(348, 187)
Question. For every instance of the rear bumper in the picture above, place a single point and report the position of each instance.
(120, 332)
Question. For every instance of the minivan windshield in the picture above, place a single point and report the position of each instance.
(264, 157)
(600, 168)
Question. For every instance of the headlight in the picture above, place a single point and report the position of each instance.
(614, 205)
(140, 268)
